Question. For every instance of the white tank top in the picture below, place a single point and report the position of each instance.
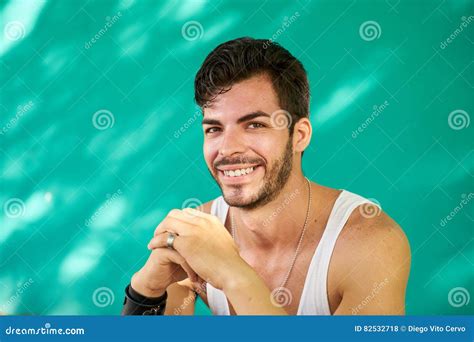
(314, 298)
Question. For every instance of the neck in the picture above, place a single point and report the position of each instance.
(279, 223)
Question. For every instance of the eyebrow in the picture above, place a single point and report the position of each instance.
(244, 118)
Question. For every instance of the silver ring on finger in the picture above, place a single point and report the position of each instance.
(170, 240)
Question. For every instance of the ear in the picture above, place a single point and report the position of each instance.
(302, 134)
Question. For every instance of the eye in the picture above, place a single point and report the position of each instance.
(256, 125)
(211, 130)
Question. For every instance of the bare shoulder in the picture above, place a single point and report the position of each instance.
(367, 225)
(372, 248)
(370, 230)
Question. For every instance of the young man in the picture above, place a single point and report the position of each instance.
(274, 243)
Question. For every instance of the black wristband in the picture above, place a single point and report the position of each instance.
(137, 304)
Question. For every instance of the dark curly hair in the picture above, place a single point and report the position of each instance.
(242, 58)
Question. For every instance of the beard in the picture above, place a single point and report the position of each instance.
(273, 182)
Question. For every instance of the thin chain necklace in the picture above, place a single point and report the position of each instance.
(285, 280)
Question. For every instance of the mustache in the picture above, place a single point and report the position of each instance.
(241, 160)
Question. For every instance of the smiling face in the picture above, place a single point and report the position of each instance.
(247, 150)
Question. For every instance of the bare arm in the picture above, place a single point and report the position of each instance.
(249, 295)
(181, 299)
(377, 272)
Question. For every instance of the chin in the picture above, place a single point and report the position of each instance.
(245, 201)
(239, 197)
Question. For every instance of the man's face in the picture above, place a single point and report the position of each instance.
(247, 151)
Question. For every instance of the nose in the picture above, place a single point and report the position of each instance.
(232, 143)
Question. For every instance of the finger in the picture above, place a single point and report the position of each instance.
(160, 241)
(174, 225)
(199, 285)
(191, 274)
(176, 258)
(190, 215)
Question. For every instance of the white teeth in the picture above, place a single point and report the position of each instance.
(238, 172)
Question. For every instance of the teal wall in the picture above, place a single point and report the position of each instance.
(100, 139)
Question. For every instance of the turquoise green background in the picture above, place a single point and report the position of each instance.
(90, 198)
